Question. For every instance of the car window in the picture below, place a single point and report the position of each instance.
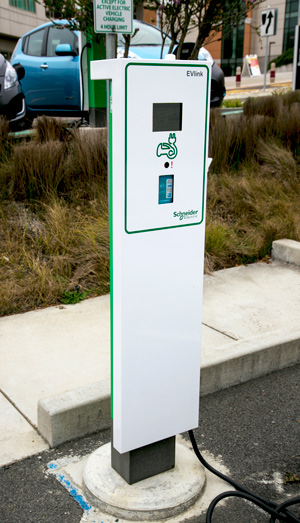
(33, 43)
(60, 35)
(146, 35)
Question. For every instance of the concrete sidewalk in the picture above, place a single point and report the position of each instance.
(253, 86)
(59, 358)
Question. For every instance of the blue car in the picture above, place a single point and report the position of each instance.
(50, 57)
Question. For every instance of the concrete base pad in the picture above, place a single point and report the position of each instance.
(152, 499)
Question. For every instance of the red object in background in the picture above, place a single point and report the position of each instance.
(238, 77)
(272, 73)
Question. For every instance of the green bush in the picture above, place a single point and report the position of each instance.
(284, 59)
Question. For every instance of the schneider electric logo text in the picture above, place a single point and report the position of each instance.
(185, 215)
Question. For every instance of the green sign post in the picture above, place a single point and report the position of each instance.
(110, 17)
(96, 90)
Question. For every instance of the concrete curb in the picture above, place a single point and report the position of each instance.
(75, 413)
(287, 251)
(244, 360)
(85, 410)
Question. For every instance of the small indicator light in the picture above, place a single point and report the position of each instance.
(171, 165)
(167, 165)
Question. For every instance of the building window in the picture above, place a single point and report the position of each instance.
(290, 22)
(28, 5)
(232, 50)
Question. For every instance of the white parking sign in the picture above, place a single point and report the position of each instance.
(113, 16)
(268, 22)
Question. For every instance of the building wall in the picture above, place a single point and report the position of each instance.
(149, 16)
(215, 48)
(247, 34)
(253, 43)
(15, 22)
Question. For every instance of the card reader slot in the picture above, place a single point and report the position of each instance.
(165, 188)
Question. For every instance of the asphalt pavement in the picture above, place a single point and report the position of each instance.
(253, 429)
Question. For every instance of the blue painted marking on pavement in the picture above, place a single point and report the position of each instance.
(52, 465)
(73, 491)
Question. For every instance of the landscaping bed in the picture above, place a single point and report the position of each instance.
(54, 235)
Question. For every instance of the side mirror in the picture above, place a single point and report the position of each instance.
(20, 71)
(65, 50)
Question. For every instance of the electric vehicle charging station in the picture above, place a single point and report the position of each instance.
(158, 159)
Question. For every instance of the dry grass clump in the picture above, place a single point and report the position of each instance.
(50, 252)
(73, 165)
(54, 234)
(87, 162)
(50, 129)
(289, 98)
(254, 183)
(250, 208)
(234, 141)
(288, 129)
(5, 141)
(265, 106)
(34, 172)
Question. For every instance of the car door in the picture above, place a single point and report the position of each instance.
(30, 57)
(61, 73)
(51, 83)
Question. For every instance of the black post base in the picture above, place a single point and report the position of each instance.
(144, 462)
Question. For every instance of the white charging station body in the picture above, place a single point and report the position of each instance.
(158, 136)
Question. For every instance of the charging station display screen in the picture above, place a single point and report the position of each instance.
(167, 117)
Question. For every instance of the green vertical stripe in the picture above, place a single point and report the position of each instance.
(110, 191)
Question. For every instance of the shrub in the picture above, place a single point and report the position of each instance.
(50, 129)
(87, 163)
(34, 172)
(73, 166)
(5, 141)
(284, 59)
(264, 105)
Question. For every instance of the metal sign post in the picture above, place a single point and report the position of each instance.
(268, 28)
(266, 63)
(296, 61)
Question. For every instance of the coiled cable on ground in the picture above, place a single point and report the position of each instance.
(277, 512)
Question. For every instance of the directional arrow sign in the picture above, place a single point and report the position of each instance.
(268, 22)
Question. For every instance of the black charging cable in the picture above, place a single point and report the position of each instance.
(88, 45)
(277, 512)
